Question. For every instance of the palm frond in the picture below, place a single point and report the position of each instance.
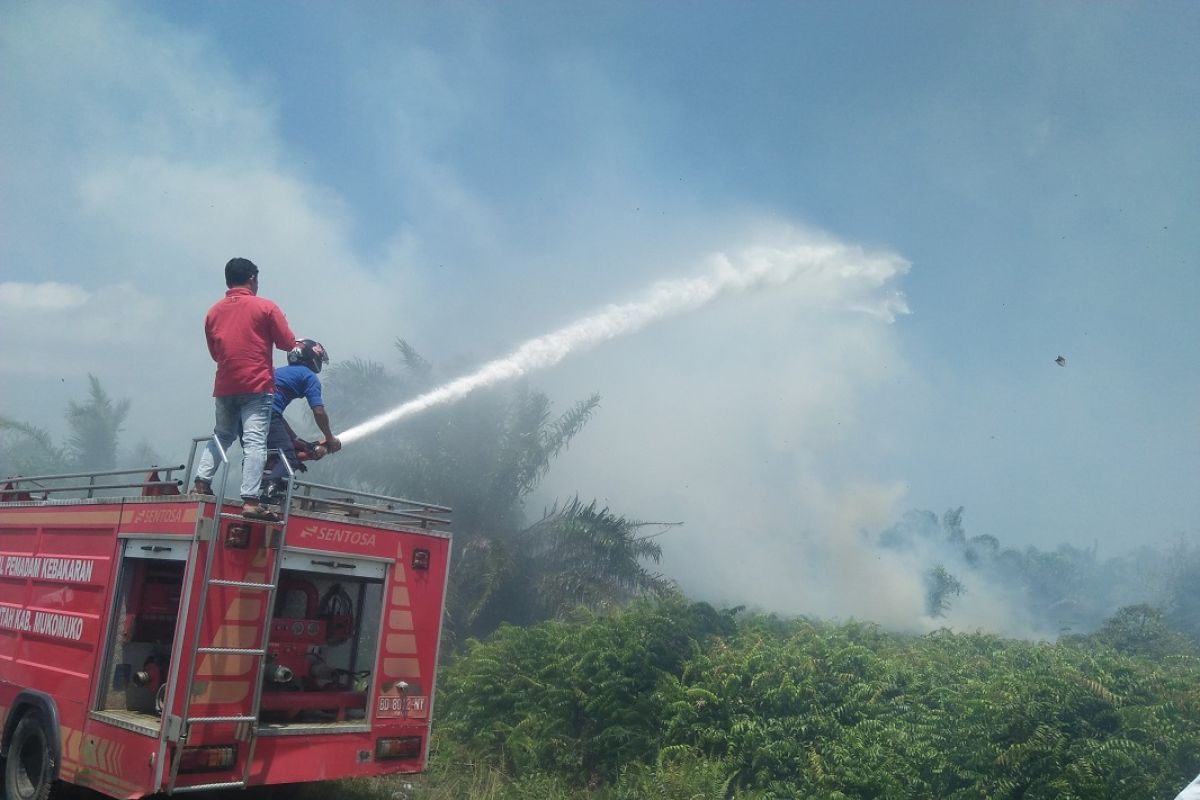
(413, 361)
(39, 436)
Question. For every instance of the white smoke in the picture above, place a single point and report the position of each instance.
(826, 266)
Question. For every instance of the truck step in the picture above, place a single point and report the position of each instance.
(206, 787)
(216, 720)
(232, 651)
(242, 584)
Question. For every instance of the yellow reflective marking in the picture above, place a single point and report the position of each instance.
(244, 608)
(220, 666)
(403, 643)
(401, 668)
(220, 691)
(235, 636)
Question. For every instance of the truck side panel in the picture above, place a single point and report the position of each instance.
(56, 567)
(55, 575)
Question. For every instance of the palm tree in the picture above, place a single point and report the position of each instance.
(95, 426)
(584, 555)
(483, 456)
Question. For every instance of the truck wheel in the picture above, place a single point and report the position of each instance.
(29, 767)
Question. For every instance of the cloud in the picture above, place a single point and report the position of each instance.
(166, 165)
(749, 421)
(55, 330)
(33, 297)
(138, 159)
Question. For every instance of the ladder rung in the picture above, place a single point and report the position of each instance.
(242, 584)
(232, 651)
(240, 518)
(217, 720)
(204, 787)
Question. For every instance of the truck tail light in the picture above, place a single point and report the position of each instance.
(420, 558)
(208, 759)
(398, 747)
(237, 536)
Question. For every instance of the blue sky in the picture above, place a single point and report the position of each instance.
(468, 175)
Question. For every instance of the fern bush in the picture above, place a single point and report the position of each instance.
(676, 700)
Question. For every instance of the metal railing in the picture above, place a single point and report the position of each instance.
(307, 496)
(37, 484)
(318, 497)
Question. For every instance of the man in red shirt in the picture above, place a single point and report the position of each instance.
(241, 329)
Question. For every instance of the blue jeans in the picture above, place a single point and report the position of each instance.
(278, 439)
(247, 416)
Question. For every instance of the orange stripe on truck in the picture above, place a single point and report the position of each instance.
(105, 517)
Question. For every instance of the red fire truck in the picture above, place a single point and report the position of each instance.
(157, 641)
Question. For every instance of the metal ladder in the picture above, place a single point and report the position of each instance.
(275, 536)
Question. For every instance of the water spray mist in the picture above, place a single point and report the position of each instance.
(833, 268)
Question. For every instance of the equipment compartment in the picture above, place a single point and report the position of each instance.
(146, 614)
(323, 641)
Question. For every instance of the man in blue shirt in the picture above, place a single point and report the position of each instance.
(297, 379)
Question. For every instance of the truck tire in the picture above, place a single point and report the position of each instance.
(29, 765)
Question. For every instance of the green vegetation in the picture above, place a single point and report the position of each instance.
(675, 700)
(454, 775)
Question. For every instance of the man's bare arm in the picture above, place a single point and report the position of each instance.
(322, 419)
